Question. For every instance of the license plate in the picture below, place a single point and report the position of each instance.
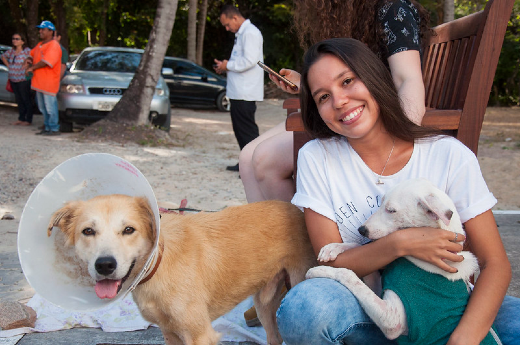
(106, 106)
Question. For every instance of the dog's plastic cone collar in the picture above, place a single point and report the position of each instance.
(79, 178)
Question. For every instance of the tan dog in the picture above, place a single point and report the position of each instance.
(208, 262)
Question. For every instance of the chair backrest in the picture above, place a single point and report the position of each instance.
(459, 65)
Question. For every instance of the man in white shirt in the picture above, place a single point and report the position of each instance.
(245, 79)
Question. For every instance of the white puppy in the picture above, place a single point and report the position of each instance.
(412, 203)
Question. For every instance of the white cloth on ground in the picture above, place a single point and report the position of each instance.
(124, 316)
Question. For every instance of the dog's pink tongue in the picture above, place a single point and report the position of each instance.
(107, 288)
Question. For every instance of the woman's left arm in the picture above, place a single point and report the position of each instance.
(492, 283)
(405, 68)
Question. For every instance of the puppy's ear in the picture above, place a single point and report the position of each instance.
(64, 219)
(436, 209)
(147, 216)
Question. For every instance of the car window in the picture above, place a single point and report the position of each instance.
(2, 51)
(170, 64)
(108, 61)
(188, 69)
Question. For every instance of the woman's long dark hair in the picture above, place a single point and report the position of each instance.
(376, 77)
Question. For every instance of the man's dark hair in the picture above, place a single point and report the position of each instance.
(230, 10)
(377, 78)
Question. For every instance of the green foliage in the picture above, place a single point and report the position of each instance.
(128, 24)
(505, 89)
(465, 7)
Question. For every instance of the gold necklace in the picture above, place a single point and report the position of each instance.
(379, 181)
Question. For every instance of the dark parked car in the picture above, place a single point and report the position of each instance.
(96, 82)
(193, 85)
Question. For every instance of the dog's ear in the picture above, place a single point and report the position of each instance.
(148, 216)
(63, 219)
(436, 209)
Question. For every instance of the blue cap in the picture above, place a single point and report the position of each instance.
(46, 25)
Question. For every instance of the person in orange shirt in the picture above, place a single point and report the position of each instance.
(45, 66)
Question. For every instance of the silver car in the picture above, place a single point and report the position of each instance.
(5, 96)
(96, 82)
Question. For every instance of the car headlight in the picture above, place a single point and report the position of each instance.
(159, 92)
(72, 88)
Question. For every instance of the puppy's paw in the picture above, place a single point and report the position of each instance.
(331, 251)
(321, 272)
(341, 275)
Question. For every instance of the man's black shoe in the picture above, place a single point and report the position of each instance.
(52, 133)
(232, 167)
(43, 131)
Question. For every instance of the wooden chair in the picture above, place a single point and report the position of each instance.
(459, 65)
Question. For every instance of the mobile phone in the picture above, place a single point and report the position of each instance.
(285, 80)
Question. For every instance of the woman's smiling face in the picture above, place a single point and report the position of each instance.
(343, 101)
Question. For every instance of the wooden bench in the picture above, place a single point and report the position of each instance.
(459, 65)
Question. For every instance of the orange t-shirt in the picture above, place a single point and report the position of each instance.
(47, 79)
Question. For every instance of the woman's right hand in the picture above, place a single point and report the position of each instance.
(289, 74)
(435, 246)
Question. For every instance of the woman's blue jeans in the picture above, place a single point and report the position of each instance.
(323, 311)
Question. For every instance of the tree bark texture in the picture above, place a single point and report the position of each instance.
(32, 20)
(449, 11)
(134, 106)
(103, 26)
(58, 7)
(201, 28)
(192, 30)
(16, 12)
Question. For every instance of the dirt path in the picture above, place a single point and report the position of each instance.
(195, 169)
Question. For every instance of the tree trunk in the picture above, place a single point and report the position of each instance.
(134, 106)
(201, 28)
(32, 21)
(449, 11)
(16, 12)
(61, 21)
(103, 27)
(192, 29)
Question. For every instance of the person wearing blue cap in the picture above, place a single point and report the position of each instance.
(45, 65)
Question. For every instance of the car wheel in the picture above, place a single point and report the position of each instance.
(164, 121)
(223, 103)
(65, 126)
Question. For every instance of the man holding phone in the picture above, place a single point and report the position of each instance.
(245, 79)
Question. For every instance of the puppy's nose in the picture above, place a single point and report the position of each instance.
(106, 265)
(363, 230)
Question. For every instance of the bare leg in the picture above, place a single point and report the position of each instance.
(266, 166)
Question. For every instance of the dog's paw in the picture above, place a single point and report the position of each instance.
(321, 272)
(342, 275)
(331, 251)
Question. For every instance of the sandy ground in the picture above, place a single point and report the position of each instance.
(195, 170)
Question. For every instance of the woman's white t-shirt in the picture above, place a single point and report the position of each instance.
(334, 181)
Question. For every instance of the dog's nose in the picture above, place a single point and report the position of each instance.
(106, 265)
(363, 230)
